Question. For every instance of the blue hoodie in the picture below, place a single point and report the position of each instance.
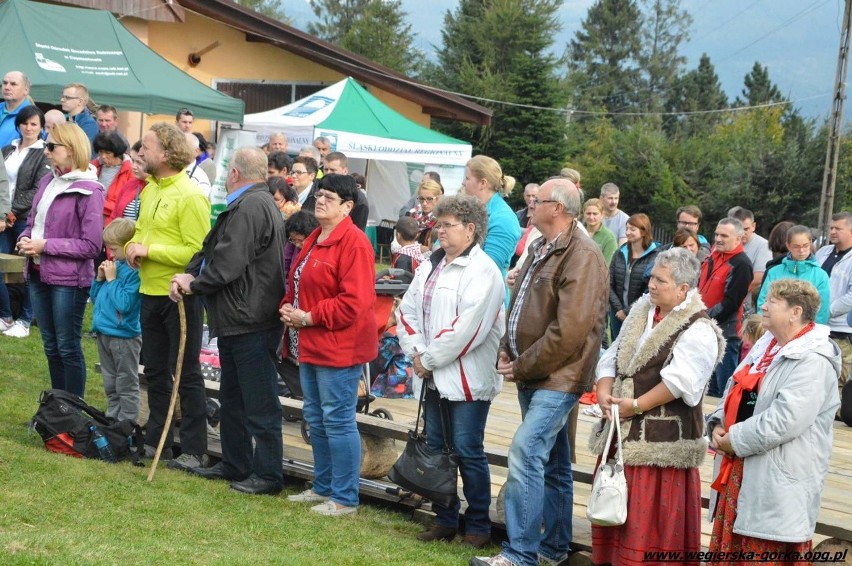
(806, 270)
(117, 303)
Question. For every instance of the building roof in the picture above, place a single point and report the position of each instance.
(259, 28)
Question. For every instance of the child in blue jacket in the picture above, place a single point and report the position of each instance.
(115, 294)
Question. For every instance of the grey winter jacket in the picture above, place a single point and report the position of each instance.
(787, 442)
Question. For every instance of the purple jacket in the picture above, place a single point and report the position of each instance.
(72, 230)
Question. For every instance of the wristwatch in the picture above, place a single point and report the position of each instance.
(304, 319)
(636, 409)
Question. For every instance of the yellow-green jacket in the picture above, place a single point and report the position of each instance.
(174, 218)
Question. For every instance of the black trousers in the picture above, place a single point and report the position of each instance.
(160, 343)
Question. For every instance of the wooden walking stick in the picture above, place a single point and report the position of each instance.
(178, 369)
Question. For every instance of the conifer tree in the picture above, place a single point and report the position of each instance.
(603, 58)
(499, 50)
(665, 27)
(758, 89)
(269, 8)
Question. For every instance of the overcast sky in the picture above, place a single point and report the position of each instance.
(797, 39)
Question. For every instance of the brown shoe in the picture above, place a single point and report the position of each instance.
(437, 532)
(477, 541)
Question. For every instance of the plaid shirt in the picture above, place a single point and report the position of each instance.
(542, 248)
(413, 251)
(429, 291)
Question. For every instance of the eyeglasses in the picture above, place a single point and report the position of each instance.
(294, 172)
(799, 246)
(51, 146)
(328, 196)
(445, 225)
(425, 199)
(537, 201)
(63, 97)
(297, 240)
(685, 223)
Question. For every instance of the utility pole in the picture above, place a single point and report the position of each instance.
(826, 205)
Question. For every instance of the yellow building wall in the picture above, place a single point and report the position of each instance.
(234, 59)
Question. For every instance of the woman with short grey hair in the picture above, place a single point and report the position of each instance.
(684, 267)
(450, 323)
(656, 371)
(467, 210)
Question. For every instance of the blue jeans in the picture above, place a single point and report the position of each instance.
(467, 436)
(330, 396)
(8, 238)
(726, 367)
(59, 311)
(540, 484)
(250, 407)
(614, 324)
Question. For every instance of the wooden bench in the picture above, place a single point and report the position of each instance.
(12, 267)
(839, 532)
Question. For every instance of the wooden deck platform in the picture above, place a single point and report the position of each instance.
(835, 519)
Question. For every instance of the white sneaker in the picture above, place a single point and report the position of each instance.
(19, 329)
(307, 496)
(4, 326)
(330, 509)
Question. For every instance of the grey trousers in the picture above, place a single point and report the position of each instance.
(120, 369)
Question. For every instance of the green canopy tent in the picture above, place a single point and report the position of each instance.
(362, 127)
(56, 45)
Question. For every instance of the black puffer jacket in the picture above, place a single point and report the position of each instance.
(639, 273)
(34, 167)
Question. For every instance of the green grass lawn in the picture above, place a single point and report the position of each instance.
(55, 509)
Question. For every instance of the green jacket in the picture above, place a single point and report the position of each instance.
(606, 241)
(174, 218)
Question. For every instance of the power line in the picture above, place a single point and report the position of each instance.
(729, 20)
(813, 6)
(606, 113)
(402, 79)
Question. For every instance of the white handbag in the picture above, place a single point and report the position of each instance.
(608, 501)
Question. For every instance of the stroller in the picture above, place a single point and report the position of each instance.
(390, 283)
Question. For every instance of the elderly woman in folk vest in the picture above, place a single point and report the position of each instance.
(656, 372)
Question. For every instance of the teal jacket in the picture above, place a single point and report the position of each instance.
(806, 270)
(117, 304)
(504, 232)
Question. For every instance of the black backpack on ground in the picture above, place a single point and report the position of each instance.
(64, 422)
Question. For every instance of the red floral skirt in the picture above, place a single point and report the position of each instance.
(663, 514)
(724, 539)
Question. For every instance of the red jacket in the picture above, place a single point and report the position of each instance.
(337, 287)
(125, 194)
(723, 284)
(124, 174)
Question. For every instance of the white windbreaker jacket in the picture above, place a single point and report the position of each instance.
(466, 322)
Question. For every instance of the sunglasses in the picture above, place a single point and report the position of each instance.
(51, 146)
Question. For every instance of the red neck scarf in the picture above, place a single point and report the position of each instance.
(746, 381)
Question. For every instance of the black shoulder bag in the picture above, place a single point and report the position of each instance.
(424, 471)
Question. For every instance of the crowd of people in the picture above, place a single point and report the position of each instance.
(566, 294)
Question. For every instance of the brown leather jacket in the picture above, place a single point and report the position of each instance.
(562, 320)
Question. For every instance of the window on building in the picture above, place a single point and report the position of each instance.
(261, 96)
